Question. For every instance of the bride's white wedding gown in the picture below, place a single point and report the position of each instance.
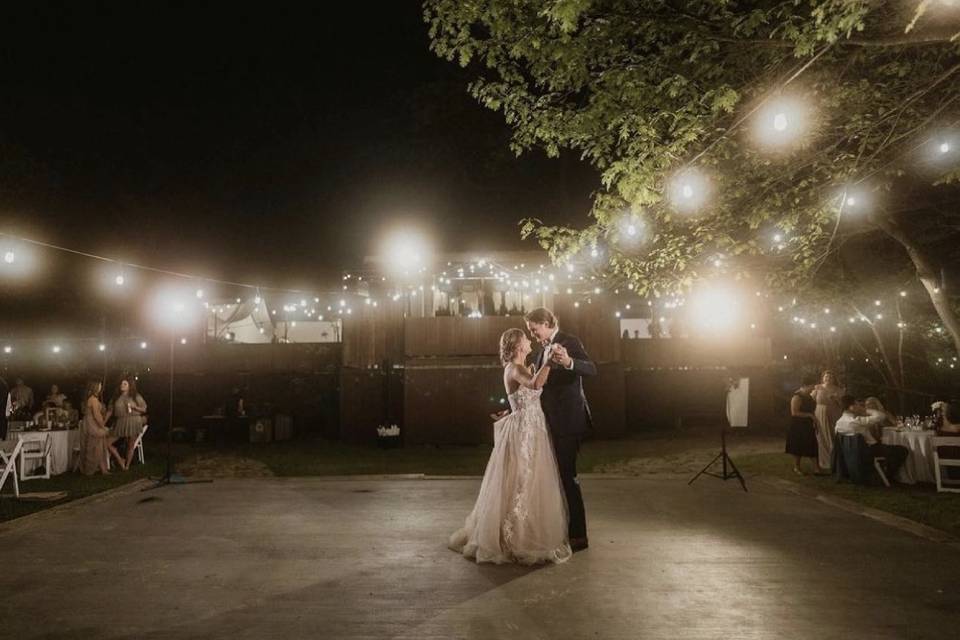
(521, 513)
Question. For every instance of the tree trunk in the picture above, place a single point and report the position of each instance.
(927, 273)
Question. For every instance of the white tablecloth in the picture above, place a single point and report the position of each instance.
(61, 450)
(919, 466)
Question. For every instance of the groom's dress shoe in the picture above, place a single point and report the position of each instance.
(578, 544)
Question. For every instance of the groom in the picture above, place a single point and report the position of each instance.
(566, 409)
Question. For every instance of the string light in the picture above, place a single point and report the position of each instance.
(9, 256)
(7, 349)
(101, 347)
(689, 190)
(56, 348)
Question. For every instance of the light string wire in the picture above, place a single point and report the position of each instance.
(167, 272)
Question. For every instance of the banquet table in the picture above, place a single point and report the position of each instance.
(919, 466)
(61, 450)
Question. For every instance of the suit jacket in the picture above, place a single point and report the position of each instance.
(563, 400)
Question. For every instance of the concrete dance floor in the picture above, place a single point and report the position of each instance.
(327, 558)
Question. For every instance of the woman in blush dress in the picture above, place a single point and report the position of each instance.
(829, 409)
(96, 443)
(521, 514)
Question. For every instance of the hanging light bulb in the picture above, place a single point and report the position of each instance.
(780, 121)
(119, 280)
(9, 256)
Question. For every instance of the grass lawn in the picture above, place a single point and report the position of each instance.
(324, 458)
(671, 451)
(76, 486)
(920, 503)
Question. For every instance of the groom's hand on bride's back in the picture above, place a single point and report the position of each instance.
(499, 415)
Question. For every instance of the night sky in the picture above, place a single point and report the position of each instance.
(269, 144)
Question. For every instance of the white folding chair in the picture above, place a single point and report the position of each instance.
(9, 468)
(32, 451)
(946, 462)
(878, 466)
(138, 445)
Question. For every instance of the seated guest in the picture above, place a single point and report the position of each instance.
(875, 410)
(948, 423)
(54, 400)
(21, 400)
(948, 426)
(129, 409)
(855, 420)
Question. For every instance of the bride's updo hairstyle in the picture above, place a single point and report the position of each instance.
(509, 343)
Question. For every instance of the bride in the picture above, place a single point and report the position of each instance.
(520, 514)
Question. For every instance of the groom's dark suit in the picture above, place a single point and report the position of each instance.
(568, 416)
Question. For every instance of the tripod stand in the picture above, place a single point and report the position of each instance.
(170, 477)
(733, 472)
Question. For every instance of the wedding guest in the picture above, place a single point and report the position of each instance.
(55, 398)
(129, 408)
(875, 409)
(96, 443)
(21, 399)
(948, 422)
(829, 409)
(855, 420)
(4, 407)
(948, 425)
(802, 436)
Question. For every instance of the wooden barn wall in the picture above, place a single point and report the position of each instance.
(682, 352)
(595, 324)
(668, 398)
(449, 401)
(606, 394)
(369, 398)
(370, 340)
(455, 336)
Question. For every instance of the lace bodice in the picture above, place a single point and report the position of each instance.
(523, 398)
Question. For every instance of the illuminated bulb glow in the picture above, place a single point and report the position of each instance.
(9, 257)
(780, 122)
(102, 347)
(119, 280)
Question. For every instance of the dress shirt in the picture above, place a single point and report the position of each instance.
(850, 425)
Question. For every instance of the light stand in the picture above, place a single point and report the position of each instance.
(170, 477)
(729, 470)
(725, 474)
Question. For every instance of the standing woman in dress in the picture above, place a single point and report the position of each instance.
(128, 407)
(829, 410)
(97, 442)
(802, 436)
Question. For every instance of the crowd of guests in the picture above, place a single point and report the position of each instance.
(102, 426)
(822, 408)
